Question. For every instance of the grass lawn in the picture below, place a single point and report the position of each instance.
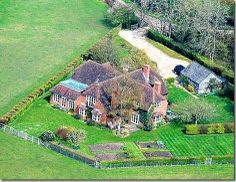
(224, 106)
(41, 117)
(168, 51)
(23, 160)
(38, 38)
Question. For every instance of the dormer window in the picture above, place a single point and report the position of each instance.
(91, 100)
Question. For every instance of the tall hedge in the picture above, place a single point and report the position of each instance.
(218, 69)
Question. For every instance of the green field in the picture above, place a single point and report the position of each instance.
(41, 117)
(38, 38)
(23, 160)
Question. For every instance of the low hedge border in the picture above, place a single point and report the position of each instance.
(219, 70)
(217, 128)
(26, 102)
(171, 161)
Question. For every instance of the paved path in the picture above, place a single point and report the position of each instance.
(165, 63)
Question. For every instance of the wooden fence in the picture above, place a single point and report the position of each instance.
(51, 146)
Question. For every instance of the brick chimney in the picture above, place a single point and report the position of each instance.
(146, 72)
(157, 86)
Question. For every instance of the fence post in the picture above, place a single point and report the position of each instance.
(32, 139)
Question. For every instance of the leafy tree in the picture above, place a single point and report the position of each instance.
(194, 112)
(213, 85)
(104, 51)
(47, 136)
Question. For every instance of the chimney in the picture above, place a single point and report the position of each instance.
(157, 86)
(146, 72)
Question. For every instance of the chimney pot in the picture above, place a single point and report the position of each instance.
(146, 72)
(157, 87)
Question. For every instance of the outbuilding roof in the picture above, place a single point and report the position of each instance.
(196, 72)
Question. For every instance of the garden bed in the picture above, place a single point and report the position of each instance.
(108, 146)
(157, 154)
(155, 145)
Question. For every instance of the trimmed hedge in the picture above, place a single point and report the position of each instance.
(218, 69)
(218, 128)
(25, 103)
(165, 161)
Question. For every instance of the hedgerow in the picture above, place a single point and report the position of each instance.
(218, 69)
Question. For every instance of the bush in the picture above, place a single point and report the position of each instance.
(220, 129)
(227, 91)
(170, 80)
(192, 129)
(90, 122)
(47, 136)
(218, 69)
(190, 88)
(76, 136)
(63, 132)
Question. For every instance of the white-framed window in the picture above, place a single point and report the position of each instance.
(71, 104)
(96, 118)
(157, 118)
(135, 118)
(63, 102)
(56, 97)
(91, 100)
(158, 104)
(81, 111)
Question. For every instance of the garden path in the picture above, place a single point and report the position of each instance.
(164, 62)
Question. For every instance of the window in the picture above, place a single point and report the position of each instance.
(157, 118)
(158, 104)
(91, 100)
(135, 118)
(63, 102)
(56, 97)
(71, 104)
(81, 112)
(96, 118)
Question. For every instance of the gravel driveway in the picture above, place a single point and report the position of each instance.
(165, 63)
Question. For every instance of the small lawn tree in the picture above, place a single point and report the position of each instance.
(76, 137)
(194, 112)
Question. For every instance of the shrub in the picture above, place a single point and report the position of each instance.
(190, 88)
(47, 136)
(63, 132)
(218, 69)
(220, 129)
(211, 129)
(203, 129)
(124, 132)
(76, 136)
(170, 80)
(90, 122)
(192, 129)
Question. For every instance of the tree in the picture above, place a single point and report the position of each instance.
(214, 85)
(194, 111)
(210, 24)
(104, 51)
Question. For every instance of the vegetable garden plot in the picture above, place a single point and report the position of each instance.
(108, 146)
(156, 145)
(158, 154)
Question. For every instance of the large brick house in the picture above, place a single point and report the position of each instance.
(96, 87)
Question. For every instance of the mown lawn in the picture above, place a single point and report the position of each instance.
(38, 38)
(42, 117)
(223, 105)
(23, 160)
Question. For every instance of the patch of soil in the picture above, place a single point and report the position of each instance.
(158, 154)
(110, 157)
(150, 145)
(108, 146)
